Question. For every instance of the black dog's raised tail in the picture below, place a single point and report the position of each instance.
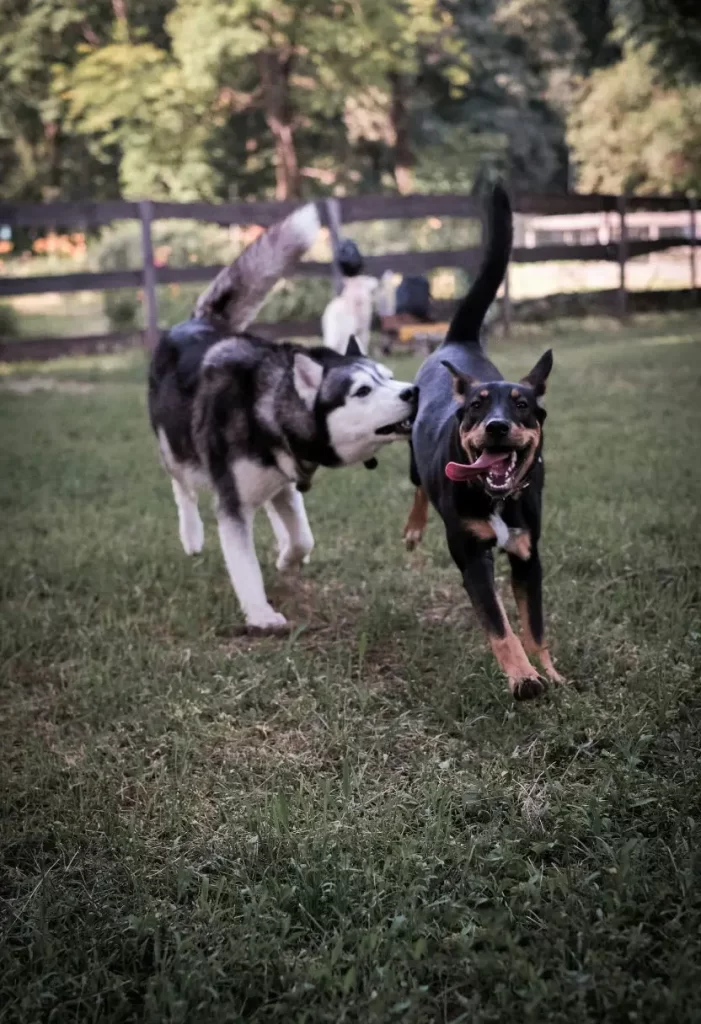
(465, 325)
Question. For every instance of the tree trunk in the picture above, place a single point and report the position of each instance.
(274, 73)
(399, 115)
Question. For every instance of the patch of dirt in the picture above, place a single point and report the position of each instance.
(28, 385)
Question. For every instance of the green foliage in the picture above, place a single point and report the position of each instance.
(523, 59)
(298, 299)
(176, 302)
(176, 243)
(631, 132)
(122, 309)
(595, 23)
(224, 99)
(215, 99)
(672, 28)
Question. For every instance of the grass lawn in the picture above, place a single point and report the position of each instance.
(354, 823)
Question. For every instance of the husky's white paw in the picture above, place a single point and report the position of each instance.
(293, 557)
(266, 618)
(191, 534)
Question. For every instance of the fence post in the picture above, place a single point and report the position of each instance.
(622, 257)
(692, 249)
(149, 270)
(333, 213)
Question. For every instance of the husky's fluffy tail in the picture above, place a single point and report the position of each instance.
(466, 323)
(237, 293)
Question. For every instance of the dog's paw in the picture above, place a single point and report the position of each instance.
(551, 673)
(266, 620)
(293, 558)
(412, 537)
(553, 676)
(192, 535)
(528, 687)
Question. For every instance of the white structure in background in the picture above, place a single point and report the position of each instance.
(604, 227)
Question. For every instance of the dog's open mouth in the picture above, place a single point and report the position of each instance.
(499, 469)
(403, 427)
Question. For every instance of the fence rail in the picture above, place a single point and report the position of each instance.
(334, 214)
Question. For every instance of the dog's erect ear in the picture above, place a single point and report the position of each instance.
(462, 382)
(353, 348)
(307, 377)
(539, 374)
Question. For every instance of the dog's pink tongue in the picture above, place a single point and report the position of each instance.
(459, 471)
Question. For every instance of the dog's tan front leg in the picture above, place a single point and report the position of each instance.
(523, 679)
(536, 650)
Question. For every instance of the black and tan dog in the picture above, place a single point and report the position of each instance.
(476, 455)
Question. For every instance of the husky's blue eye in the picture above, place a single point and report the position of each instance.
(362, 392)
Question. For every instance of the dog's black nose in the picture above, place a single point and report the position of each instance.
(409, 394)
(497, 428)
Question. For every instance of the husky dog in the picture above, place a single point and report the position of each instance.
(252, 420)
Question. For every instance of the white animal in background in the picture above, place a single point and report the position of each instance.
(350, 313)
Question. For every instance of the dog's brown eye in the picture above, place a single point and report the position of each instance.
(522, 404)
(475, 403)
(362, 392)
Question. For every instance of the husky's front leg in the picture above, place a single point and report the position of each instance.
(236, 537)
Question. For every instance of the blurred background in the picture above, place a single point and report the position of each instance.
(226, 100)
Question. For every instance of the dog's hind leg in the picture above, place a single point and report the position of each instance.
(288, 518)
(236, 537)
(418, 518)
(189, 522)
(190, 525)
(526, 583)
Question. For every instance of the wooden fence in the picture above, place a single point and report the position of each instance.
(334, 213)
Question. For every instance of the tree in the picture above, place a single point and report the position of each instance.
(219, 99)
(286, 70)
(672, 28)
(218, 110)
(595, 23)
(393, 44)
(631, 132)
(510, 117)
(39, 157)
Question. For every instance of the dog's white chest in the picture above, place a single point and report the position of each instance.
(256, 484)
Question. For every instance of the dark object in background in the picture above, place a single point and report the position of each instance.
(414, 298)
(350, 261)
